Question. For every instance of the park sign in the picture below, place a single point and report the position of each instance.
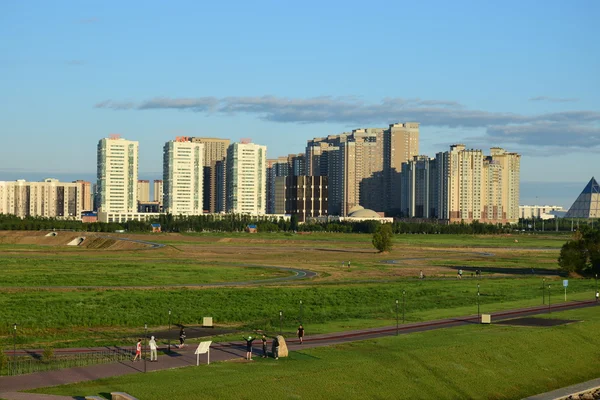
(203, 347)
(565, 282)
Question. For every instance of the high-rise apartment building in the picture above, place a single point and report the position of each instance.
(401, 144)
(87, 197)
(183, 174)
(215, 151)
(157, 191)
(419, 193)
(474, 187)
(305, 196)
(117, 174)
(50, 199)
(278, 167)
(246, 178)
(143, 190)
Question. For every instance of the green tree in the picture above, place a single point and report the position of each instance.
(382, 238)
(582, 254)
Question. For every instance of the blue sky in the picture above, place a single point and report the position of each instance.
(521, 75)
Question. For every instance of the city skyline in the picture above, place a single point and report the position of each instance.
(77, 73)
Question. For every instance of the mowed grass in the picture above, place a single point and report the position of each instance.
(471, 362)
(98, 317)
(52, 270)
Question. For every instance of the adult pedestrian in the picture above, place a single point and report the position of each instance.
(300, 333)
(153, 350)
(264, 346)
(459, 274)
(421, 276)
(181, 338)
(275, 348)
(348, 264)
(138, 350)
(249, 341)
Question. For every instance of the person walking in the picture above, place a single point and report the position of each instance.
(275, 348)
(181, 338)
(300, 333)
(264, 346)
(249, 341)
(153, 350)
(460, 274)
(421, 276)
(138, 350)
(348, 264)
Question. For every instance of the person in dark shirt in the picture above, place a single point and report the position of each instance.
(300, 333)
(249, 341)
(264, 346)
(275, 345)
(181, 338)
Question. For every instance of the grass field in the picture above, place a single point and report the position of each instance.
(33, 269)
(478, 362)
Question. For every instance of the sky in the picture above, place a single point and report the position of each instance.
(522, 75)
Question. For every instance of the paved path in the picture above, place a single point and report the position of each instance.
(236, 350)
(567, 391)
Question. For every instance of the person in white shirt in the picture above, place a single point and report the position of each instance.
(153, 348)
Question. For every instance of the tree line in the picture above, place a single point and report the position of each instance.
(239, 223)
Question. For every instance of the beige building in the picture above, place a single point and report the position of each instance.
(158, 191)
(473, 187)
(87, 197)
(183, 174)
(143, 191)
(541, 212)
(246, 178)
(215, 153)
(117, 174)
(401, 144)
(50, 199)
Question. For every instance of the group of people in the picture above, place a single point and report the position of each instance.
(154, 347)
(275, 344)
(153, 350)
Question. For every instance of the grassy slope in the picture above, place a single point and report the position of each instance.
(480, 362)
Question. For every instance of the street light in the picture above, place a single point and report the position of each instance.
(280, 322)
(169, 331)
(597, 294)
(549, 298)
(478, 313)
(301, 312)
(145, 345)
(14, 349)
(396, 317)
(544, 291)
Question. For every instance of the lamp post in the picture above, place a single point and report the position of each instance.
(597, 294)
(280, 322)
(14, 368)
(301, 306)
(145, 344)
(478, 313)
(544, 291)
(548, 298)
(403, 306)
(169, 331)
(397, 317)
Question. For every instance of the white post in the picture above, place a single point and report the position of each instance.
(197, 359)
(565, 293)
(208, 355)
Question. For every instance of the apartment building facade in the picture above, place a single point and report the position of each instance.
(246, 178)
(183, 174)
(117, 174)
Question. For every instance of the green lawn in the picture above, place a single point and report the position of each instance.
(478, 362)
(70, 318)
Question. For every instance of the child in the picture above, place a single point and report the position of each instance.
(138, 350)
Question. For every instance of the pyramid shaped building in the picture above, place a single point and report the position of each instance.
(587, 204)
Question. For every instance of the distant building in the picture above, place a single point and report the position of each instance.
(149, 207)
(143, 190)
(540, 212)
(246, 178)
(215, 153)
(304, 196)
(87, 197)
(155, 228)
(117, 174)
(50, 199)
(158, 191)
(419, 193)
(183, 176)
(587, 204)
